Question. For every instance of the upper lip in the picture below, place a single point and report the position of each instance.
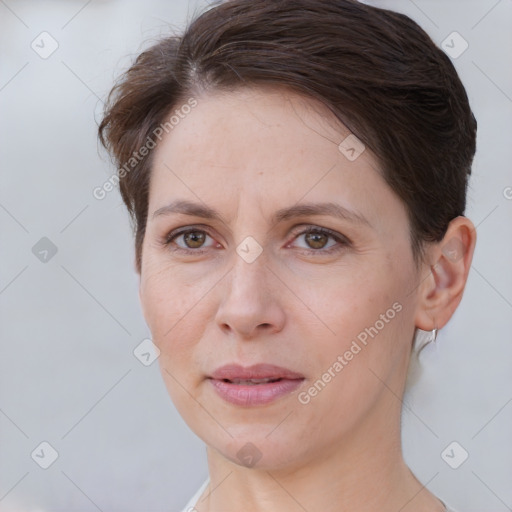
(257, 371)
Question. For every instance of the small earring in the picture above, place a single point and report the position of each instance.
(431, 338)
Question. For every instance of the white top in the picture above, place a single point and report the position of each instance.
(448, 508)
(190, 506)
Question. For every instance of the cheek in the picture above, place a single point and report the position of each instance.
(346, 301)
(363, 317)
(171, 308)
(168, 303)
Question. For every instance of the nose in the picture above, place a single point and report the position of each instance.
(251, 301)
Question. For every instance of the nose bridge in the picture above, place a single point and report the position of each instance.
(250, 258)
(248, 277)
(245, 303)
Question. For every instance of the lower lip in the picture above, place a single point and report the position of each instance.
(256, 394)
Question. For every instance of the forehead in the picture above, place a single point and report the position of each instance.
(249, 118)
(269, 148)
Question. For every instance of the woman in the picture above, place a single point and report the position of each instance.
(296, 173)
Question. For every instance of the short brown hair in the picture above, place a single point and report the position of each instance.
(375, 69)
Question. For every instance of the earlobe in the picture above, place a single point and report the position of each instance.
(441, 293)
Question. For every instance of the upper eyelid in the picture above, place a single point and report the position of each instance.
(298, 229)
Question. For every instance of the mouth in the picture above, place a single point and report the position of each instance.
(256, 373)
(255, 385)
(252, 382)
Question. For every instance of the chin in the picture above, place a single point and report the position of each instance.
(253, 448)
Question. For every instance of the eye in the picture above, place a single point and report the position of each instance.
(192, 240)
(317, 238)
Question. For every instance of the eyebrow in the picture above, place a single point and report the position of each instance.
(299, 210)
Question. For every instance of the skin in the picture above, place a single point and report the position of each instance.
(247, 154)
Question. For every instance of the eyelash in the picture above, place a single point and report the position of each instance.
(342, 241)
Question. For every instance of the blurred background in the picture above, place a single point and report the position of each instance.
(85, 422)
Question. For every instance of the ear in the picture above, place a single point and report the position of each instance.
(449, 260)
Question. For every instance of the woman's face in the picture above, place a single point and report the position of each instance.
(251, 287)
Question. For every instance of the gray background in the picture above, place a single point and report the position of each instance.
(69, 325)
